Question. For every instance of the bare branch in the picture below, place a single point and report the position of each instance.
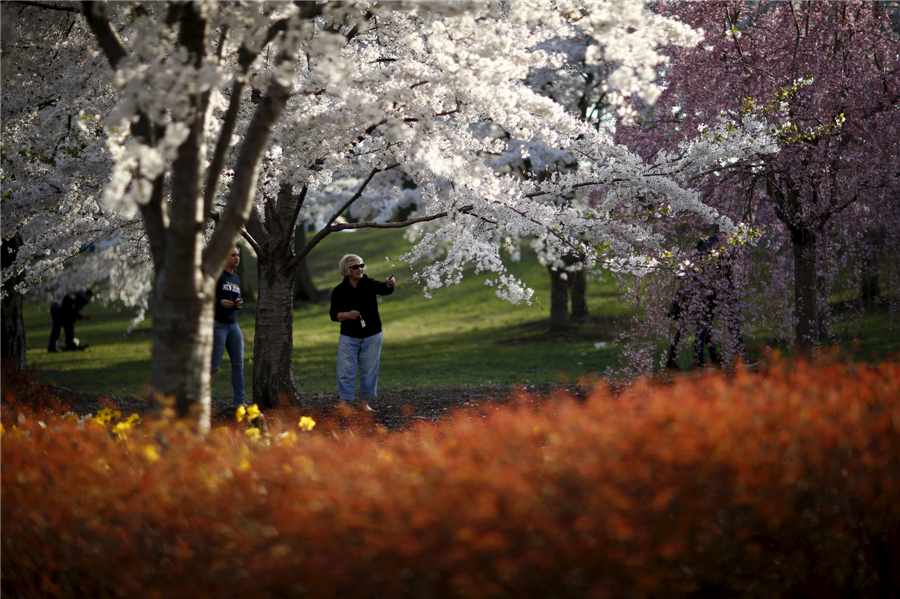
(249, 238)
(325, 232)
(388, 225)
(240, 203)
(154, 216)
(296, 215)
(110, 43)
(229, 124)
(358, 193)
(46, 6)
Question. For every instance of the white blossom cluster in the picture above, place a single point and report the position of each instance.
(435, 98)
(427, 95)
(55, 162)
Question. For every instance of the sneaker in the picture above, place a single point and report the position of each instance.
(52, 350)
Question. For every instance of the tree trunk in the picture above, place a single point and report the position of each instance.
(182, 348)
(805, 290)
(559, 301)
(273, 345)
(247, 293)
(12, 344)
(579, 292)
(870, 287)
(304, 288)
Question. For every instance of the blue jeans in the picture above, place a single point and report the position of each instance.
(228, 336)
(358, 354)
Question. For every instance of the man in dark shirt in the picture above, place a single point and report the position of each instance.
(226, 332)
(354, 304)
(64, 315)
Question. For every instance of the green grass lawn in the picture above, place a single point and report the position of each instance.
(464, 335)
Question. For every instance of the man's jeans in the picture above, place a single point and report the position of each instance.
(67, 327)
(361, 354)
(228, 336)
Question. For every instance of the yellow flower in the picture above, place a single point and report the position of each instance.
(245, 464)
(103, 416)
(253, 433)
(150, 453)
(241, 413)
(120, 429)
(287, 438)
(306, 423)
(253, 412)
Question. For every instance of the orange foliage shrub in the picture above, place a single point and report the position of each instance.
(779, 484)
(23, 394)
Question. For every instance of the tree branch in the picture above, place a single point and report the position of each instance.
(229, 123)
(325, 232)
(296, 215)
(154, 216)
(358, 193)
(46, 6)
(110, 43)
(249, 238)
(240, 203)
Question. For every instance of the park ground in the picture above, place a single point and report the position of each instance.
(463, 345)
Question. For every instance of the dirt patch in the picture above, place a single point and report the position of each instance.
(395, 410)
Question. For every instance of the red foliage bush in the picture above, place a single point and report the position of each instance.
(22, 393)
(784, 483)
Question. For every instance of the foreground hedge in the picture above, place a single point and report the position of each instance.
(784, 483)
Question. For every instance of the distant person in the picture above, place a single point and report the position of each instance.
(354, 305)
(65, 314)
(226, 332)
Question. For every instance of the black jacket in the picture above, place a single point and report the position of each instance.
(346, 297)
(70, 311)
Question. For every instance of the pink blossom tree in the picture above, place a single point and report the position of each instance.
(826, 75)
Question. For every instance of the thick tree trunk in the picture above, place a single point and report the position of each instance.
(12, 345)
(273, 346)
(182, 348)
(805, 290)
(579, 293)
(559, 301)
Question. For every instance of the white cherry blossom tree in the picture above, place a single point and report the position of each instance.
(54, 167)
(260, 116)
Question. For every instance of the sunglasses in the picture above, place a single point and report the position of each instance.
(357, 266)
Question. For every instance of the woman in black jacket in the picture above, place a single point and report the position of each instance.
(354, 304)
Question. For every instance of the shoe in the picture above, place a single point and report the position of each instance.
(52, 350)
(83, 347)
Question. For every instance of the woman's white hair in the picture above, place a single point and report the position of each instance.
(345, 264)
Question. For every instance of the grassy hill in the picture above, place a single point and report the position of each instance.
(464, 335)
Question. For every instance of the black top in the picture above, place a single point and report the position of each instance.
(346, 297)
(71, 307)
(228, 288)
